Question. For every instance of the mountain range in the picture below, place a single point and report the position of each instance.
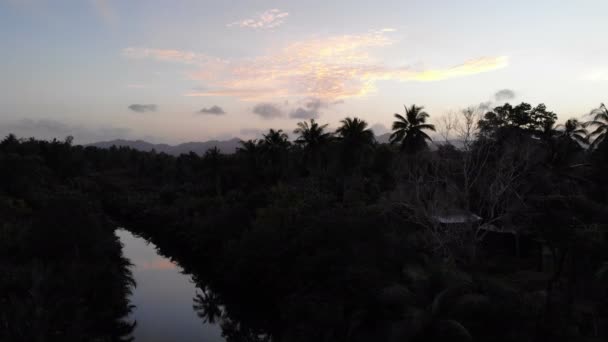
(225, 146)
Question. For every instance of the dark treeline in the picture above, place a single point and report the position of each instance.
(332, 237)
(62, 273)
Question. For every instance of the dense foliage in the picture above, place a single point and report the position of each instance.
(62, 274)
(337, 237)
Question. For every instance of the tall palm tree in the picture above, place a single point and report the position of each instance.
(312, 135)
(574, 131)
(355, 138)
(354, 132)
(275, 147)
(275, 140)
(409, 130)
(600, 121)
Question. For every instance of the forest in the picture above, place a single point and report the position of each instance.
(495, 231)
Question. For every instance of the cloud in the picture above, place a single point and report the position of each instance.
(310, 110)
(330, 68)
(158, 264)
(267, 110)
(486, 106)
(51, 129)
(504, 95)
(215, 110)
(174, 56)
(266, 20)
(379, 129)
(142, 108)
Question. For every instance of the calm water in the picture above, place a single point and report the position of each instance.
(163, 297)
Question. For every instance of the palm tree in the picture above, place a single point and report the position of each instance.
(574, 131)
(600, 120)
(312, 135)
(207, 306)
(354, 132)
(409, 130)
(355, 138)
(274, 147)
(275, 140)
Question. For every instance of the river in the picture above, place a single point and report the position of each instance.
(163, 297)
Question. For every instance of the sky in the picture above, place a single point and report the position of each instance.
(193, 70)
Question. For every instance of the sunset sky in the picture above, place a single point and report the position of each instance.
(192, 70)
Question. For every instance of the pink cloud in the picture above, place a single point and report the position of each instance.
(158, 264)
(330, 68)
(268, 19)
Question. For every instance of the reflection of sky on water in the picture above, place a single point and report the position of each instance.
(163, 297)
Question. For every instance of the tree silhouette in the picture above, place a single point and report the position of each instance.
(409, 130)
(573, 130)
(522, 119)
(600, 122)
(275, 140)
(313, 138)
(354, 133)
(213, 160)
(275, 151)
(354, 137)
(207, 306)
(249, 147)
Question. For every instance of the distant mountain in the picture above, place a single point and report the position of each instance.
(225, 146)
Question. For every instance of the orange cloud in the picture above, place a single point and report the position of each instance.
(330, 69)
(158, 264)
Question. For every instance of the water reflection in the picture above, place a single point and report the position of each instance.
(163, 297)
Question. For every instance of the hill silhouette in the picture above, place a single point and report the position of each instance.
(225, 146)
(200, 147)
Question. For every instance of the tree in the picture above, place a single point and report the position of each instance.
(355, 137)
(312, 137)
(354, 133)
(574, 130)
(275, 147)
(249, 147)
(600, 121)
(213, 159)
(507, 120)
(207, 306)
(275, 140)
(409, 130)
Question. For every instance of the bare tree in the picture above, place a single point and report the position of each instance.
(467, 126)
(446, 125)
(483, 179)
